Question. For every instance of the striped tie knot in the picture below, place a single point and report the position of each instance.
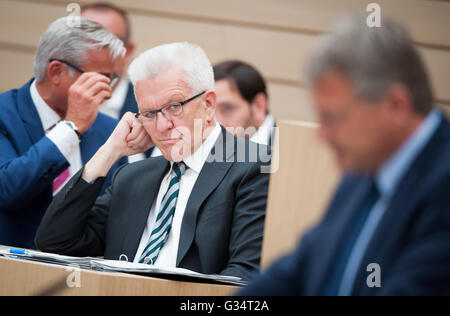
(179, 168)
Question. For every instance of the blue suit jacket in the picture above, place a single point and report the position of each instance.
(29, 162)
(130, 103)
(411, 244)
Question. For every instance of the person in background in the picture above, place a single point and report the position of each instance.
(116, 21)
(51, 126)
(387, 229)
(243, 102)
(123, 100)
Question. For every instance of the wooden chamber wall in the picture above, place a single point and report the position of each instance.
(276, 36)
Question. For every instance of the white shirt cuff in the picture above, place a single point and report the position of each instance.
(65, 138)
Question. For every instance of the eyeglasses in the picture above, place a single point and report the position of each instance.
(169, 111)
(113, 80)
(334, 119)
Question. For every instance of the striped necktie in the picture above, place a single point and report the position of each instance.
(164, 218)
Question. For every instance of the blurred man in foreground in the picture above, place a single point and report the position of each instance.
(387, 228)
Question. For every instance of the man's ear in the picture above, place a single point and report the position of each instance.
(259, 107)
(398, 104)
(210, 104)
(54, 72)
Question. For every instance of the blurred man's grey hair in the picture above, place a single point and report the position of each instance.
(62, 40)
(373, 59)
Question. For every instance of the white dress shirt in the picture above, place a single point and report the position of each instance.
(62, 135)
(156, 152)
(168, 255)
(264, 132)
(113, 106)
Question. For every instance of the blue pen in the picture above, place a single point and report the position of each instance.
(19, 252)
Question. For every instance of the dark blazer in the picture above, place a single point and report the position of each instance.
(130, 103)
(411, 243)
(29, 162)
(222, 227)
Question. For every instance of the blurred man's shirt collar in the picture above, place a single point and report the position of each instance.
(390, 174)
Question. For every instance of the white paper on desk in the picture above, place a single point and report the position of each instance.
(124, 266)
(49, 257)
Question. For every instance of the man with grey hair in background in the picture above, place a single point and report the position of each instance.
(51, 126)
(387, 229)
(199, 206)
(116, 20)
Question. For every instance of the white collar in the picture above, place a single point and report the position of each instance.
(263, 133)
(392, 170)
(47, 115)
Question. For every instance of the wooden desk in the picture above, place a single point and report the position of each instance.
(299, 191)
(20, 277)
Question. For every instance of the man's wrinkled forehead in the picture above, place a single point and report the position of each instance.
(150, 99)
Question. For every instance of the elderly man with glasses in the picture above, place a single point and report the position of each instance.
(50, 127)
(199, 206)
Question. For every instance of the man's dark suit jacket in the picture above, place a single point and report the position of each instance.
(411, 243)
(222, 227)
(29, 162)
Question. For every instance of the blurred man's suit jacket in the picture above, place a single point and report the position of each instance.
(411, 243)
